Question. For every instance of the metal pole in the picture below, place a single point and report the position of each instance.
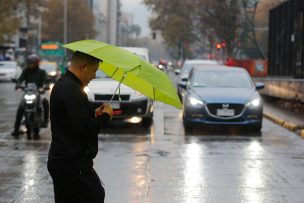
(39, 29)
(65, 9)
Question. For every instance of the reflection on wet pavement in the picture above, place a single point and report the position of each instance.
(162, 165)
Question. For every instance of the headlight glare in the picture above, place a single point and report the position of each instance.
(254, 103)
(194, 101)
(52, 73)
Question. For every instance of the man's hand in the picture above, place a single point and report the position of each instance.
(104, 108)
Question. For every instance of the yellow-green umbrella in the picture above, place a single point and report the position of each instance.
(131, 70)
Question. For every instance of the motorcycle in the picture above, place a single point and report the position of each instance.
(33, 109)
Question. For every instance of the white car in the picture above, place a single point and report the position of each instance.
(9, 70)
(127, 103)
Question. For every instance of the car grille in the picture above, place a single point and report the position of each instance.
(107, 97)
(212, 108)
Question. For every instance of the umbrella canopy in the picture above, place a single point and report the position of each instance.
(131, 70)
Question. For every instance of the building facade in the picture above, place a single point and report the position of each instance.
(107, 20)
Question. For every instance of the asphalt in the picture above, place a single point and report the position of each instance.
(290, 120)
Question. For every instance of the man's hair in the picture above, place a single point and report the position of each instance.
(78, 58)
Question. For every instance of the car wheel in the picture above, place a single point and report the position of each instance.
(256, 129)
(180, 96)
(147, 122)
(187, 127)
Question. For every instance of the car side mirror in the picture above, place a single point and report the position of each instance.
(259, 85)
(182, 85)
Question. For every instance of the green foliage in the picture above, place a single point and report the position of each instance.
(80, 21)
(191, 20)
(173, 19)
(9, 22)
(135, 29)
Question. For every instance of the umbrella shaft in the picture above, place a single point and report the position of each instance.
(115, 93)
(117, 87)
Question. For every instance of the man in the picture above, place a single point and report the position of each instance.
(75, 127)
(32, 74)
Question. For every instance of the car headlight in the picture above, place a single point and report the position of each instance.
(86, 89)
(52, 73)
(195, 101)
(254, 103)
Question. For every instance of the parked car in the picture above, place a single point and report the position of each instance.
(185, 70)
(9, 70)
(220, 96)
(127, 103)
(51, 69)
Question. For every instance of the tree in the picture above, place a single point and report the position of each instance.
(135, 29)
(262, 22)
(219, 20)
(9, 22)
(80, 21)
(173, 18)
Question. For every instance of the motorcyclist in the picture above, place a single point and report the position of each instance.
(32, 74)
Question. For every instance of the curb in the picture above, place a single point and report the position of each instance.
(299, 130)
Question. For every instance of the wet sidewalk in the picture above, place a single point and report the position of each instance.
(290, 120)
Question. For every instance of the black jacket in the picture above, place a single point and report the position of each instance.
(73, 124)
(35, 75)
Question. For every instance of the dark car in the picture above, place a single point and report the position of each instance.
(185, 70)
(222, 95)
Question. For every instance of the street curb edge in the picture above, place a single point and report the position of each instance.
(286, 124)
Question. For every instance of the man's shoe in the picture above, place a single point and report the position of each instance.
(15, 133)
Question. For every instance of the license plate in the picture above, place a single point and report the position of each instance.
(225, 112)
(115, 105)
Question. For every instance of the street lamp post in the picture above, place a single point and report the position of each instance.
(65, 9)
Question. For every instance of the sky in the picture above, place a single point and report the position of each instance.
(140, 13)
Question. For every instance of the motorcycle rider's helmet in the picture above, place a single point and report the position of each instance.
(33, 60)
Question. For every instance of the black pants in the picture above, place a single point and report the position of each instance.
(81, 186)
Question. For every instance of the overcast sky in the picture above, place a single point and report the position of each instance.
(140, 13)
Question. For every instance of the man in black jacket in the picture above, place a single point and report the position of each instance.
(32, 74)
(75, 127)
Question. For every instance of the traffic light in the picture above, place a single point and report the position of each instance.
(218, 46)
(153, 35)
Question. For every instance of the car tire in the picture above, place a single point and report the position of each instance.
(256, 129)
(147, 122)
(180, 96)
(187, 127)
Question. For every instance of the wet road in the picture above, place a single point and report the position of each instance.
(162, 164)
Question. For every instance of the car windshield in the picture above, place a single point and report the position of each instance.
(225, 79)
(101, 74)
(7, 65)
